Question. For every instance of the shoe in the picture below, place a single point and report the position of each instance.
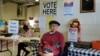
(27, 53)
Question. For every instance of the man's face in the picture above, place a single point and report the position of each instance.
(53, 27)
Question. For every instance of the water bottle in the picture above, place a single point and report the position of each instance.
(71, 44)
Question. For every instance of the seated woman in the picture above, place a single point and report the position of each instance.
(25, 32)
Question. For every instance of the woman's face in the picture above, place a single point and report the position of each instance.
(25, 22)
(54, 27)
(75, 25)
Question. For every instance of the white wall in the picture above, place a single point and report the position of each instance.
(90, 22)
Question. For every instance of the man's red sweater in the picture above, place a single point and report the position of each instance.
(48, 39)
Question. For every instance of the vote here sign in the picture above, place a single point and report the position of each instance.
(49, 8)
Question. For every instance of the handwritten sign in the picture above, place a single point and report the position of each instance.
(13, 26)
(49, 8)
(72, 34)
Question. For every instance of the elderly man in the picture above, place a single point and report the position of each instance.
(52, 42)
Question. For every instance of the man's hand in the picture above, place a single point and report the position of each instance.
(47, 54)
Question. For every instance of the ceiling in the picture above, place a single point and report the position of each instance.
(25, 2)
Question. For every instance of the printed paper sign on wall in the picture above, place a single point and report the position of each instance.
(68, 8)
(49, 7)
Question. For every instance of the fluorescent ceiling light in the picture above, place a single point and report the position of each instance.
(36, 0)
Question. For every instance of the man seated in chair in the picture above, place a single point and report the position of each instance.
(52, 42)
(24, 32)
